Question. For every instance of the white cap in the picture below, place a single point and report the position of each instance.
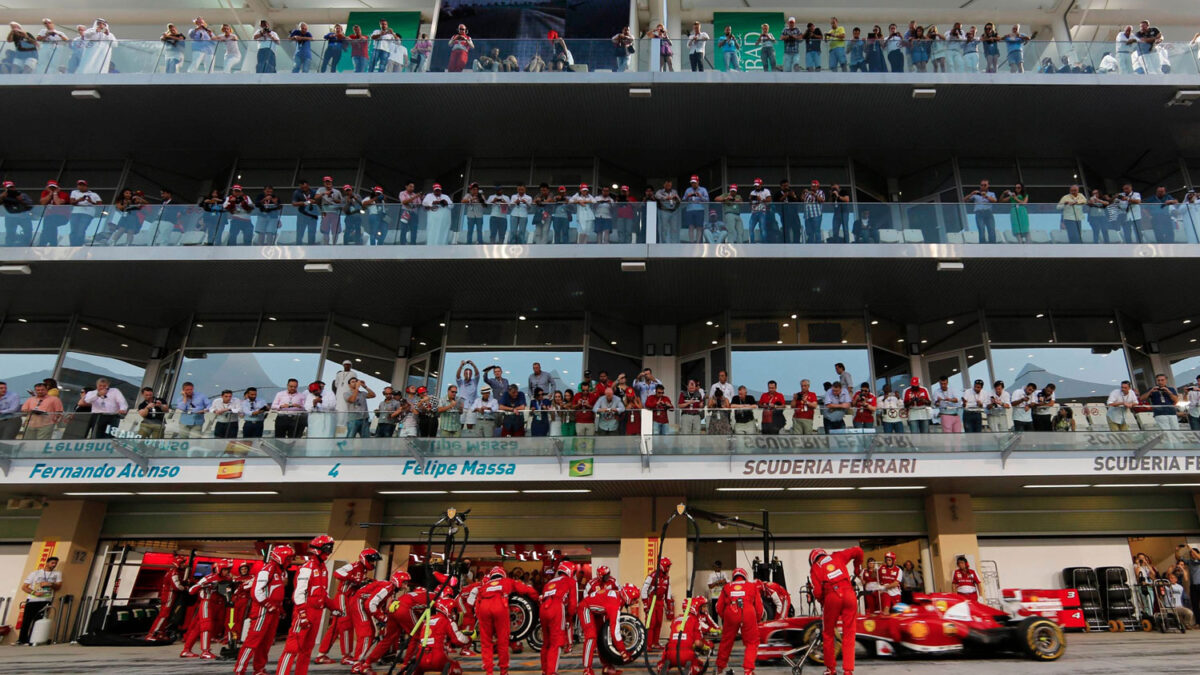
(347, 362)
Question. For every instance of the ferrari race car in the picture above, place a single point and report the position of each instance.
(934, 624)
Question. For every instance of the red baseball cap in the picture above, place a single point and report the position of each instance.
(81, 182)
(816, 182)
(694, 179)
(327, 178)
(378, 189)
(562, 188)
(347, 187)
(51, 183)
(625, 188)
(758, 181)
(9, 183)
(237, 187)
(733, 186)
(916, 381)
(421, 390)
(583, 186)
(437, 186)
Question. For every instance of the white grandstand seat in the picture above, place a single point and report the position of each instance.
(889, 237)
(954, 237)
(286, 237)
(914, 237)
(192, 238)
(1145, 420)
(971, 237)
(1148, 236)
(1059, 237)
(1039, 237)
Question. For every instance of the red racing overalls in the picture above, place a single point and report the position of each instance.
(172, 584)
(606, 604)
(491, 611)
(367, 604)
(834, 589)
(208, 613)
(687, 633)
(556, 612)
(967, 583)
(310, 599)
(888, 574)
(350, 578)
(401, 618)
(267, 604)
(657, 592)
(739, 607)
(439, 636)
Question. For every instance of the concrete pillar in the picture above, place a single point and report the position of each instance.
(344, 517)
(70, 531)
(642, 519)
(951, 522)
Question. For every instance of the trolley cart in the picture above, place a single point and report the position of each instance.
(1166, 618)
(1117, 597)
(1083, 579)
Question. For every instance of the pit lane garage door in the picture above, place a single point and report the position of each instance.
(1038, 563)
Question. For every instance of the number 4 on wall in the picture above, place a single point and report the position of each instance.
(333, 473)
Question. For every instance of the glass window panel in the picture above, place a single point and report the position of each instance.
(565, 171)
(290, 332)
(1085, 329)
(212, 372)
(605, 330)
(1134, 333)
(954, 332)
(257, 173)
(373, 338)
(998, 172)
(977, 366)
(744, 171)
(887, 334)
(218, 333)
(1141, 370)
(18, 333)
(426, 337)
(1028, 328)
(23, 370)
(553, 333)
(435, 364)
(1078, 373)
(890, 369)
(927, 181)
(482, 332)
(98, 173)
(377, 373)
(949, 367)
(614, 364)
(417, 370)
(701, 335)
(1186, 341)
(717, 361)
(79, 370)
(105, 337)
(1058, 172)
(1184, 371)
(804, 330)
(565, 367)
(754, 367)
(508, 172)
(804, 172)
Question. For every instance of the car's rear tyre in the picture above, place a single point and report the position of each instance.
(633, 634)
(1041, 639)
(817, 654)
(522, 617)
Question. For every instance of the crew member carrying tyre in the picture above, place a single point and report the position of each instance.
(208, 611)
(440, 637)
(966, 582)
(266, 605)
(173, 583)
(739, 607)
(491, 611)
(350, 578)
(605, 606)
(890, 577)
(686, 645)
(367, 606)
(833, 586)
(310, 599)
(556, 613)
(657, 601)
(402, 616)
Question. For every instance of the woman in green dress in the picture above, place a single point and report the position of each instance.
(566, 413)
(1019, 215)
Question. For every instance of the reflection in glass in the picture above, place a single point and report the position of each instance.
(79, 370)
(1078, 374)
(22, 371)
(787, 367)
(212, 372)
(565, 367)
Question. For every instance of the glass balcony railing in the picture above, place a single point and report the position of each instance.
(219, 58)
(549, 221)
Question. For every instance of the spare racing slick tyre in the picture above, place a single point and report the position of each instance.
(817, 654)
(535, 638)
(1040, 639)
(522, 617)
(633, 634)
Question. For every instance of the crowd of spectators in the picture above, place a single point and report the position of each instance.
(918, 48)
(328, 214)
(483, 403)
(1181, 595)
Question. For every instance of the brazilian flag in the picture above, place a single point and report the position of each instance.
(581, 468)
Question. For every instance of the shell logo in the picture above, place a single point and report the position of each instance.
(919, 630)
(829, 568)
(950, 628)
(941, 605)
(869, 625)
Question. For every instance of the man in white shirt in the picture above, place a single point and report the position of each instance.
(485, 409)
(108, 407)
(723, 385)
(227, 410)
(384, 39)
(716, 582)
(1022, 406)
(397, 56)
(438, 223)
(1130, 203)
(998, 405)
(497, 217)
(1193, 407)
(267, 40)
(519, 216)
(319, 404)
(86, 205)
(697, 39)
(40, 586)
(974, 400)
(51, 34)
(1120, 406)
(585, 217)
(340, 380)
(949, 404)
(1044, 407)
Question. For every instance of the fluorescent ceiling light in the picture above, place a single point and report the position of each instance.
(94, 95)
(924, 94)
(358, 92)
(817, 489)
(1180, 485)
(892, 487)
(412, 492)
(1108, 485)
(750, 489)
(484, 492)
(15, 269)
(169, 494)
(1059, 485)
(247, 492)
(949, 266)
(553, 492)
(319, 268)
(98, 494)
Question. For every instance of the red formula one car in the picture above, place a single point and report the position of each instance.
(934, 624)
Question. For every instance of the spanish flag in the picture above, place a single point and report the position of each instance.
(581, 468)
(231, 469)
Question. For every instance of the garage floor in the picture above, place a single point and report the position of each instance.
(1086, 653)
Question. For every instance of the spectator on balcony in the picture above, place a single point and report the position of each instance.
(374, 205)
(1098, 215)
(56, 211)
(608, 410)
(1018, 214)
(488, 63)
(513, 404)
(743, 406)
(560, 57)
(226, 411)
(974, 402)
(584, 402)
(841, 214)
(865, 231)
(1126, 43)
(1022, 408)
(540, 379)
(51, 34)
(812, 47)
(108, 407)
(153, 411)
(938, 49)
(604, 214)
(773, 405)
(254, 412)
(844, 376)
(1148, 39)
(1043, 409)
(86, 203)
(585, 216)
(874, 51)
(388, 413)
(865, 404)
(760, 221)
(1015, 49)
(422, 49)
(191, 407)
(233, 50)
(1162, 399)
(623, 47)
(290, 419)
(384, 38)
(410, 201)
(893, 48)
(212, 207)
(837, 405)
(970, 51)
(666, 49)
(269, 209)
(518, 217)
(1161, 205)
(352, 209)
(1072, 205)
(336, 42)
(697, 40)
(203, 48)
(498, 204)
(693, 213)
(303, 56)
(239, 207)
(329, 199)
(814, 200)
(354, 402)
(398, 60)
(804, 406)
(836, 36)
(691, 408)
(856, 51)
(998, 406)
(919, 48)
(732, 205)
(439, 224)
(18, 216)
(359, 48)
(1193, 407)
(955, 40)
(543, 212)
(730, 46)
(668, 213)
(722, 384)
(791, 36)
(172, 41)
(1130, 204)
(129, 215)
(917, 401)
(268, 42)
(10, 407)
(96, 45)
(891, 411)
(766, 44)
(660, 405)
(460, 46)
(1064, 419)
(43, 412)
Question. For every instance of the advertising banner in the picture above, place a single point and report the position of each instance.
(746, 28)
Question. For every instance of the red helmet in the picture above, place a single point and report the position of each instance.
(181, 561)
(566, 568)
(496, 572)
(602, 571)
(630, 594)
(741, 572)
(446, 607)
(664, 563)
(399, 578)
(369, 556)
(282, 555)
(698, 603)
(817, 554)
(889, 555)
(223, 564)
(322, 544)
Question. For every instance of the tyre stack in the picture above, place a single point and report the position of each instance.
(1083, 579)
(1117, 598)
